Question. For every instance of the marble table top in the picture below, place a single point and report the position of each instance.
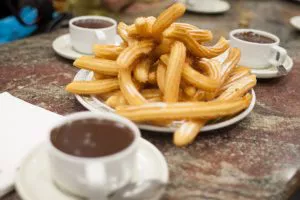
(257, 158)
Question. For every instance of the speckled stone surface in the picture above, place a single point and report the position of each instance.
(255, 159)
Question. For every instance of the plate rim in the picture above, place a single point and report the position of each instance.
(225, 9)
(292, 22)
(23, 193)
(105, 108)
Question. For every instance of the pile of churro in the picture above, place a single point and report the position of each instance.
(163, 72)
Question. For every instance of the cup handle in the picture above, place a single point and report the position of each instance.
(96, 180)
(280, 55)
(101, 37)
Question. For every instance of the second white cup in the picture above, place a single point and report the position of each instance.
(258, 55)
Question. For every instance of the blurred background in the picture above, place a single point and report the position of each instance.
(23, 18)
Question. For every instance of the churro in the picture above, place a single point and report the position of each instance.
(236, 74)
(166, 18)
(133, 52)
(160, 76)
(141, 70)
(238, 88)
(173, 73)
(93, 87)
(128, 89)
(195, 48)
(110, 52)
(230, 63)
(190, 110)
(199, 80)
(98, 65)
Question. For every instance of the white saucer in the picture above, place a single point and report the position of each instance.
(95, 105)
(272, 72)
(63, 47)
(264, 73)
(295, 21)
(33, 180)
(211, 8)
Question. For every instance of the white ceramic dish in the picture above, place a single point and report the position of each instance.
(212, 8)
(33, 180)
(295, 21)
(63, 47)
(95, 105)
(272, 72)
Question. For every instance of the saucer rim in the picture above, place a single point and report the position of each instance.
(293, 23)
(226, 8)
(266, 73)
(61, 53)
(23, 193)
(66, 37)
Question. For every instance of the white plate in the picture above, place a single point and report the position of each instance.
(95, 105)
(33, 180)
(210, 8)
(63, 47)
(264, 73)
(295, 21)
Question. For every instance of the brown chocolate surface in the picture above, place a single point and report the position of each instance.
(254, 37)
(91, 137)
(254, 159)
(92, 23)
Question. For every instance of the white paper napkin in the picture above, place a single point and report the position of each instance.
(22, 127)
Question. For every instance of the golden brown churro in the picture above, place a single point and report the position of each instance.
(187, 132)
(196, 49)
(122, 31)
(98, 65)
(93, 87)
(197, 79)
(173, 111)
(110, 52)
(238, 88)
(141, 70)
(236, 74)
(166, 18)
(199, 35)
(163, 48)
(160, 75)
(173, 73)
(130, 92)
(230, 63)
(133, 52)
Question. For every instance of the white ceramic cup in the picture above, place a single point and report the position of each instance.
(83, 39)
(258, 55)
(93, 178)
